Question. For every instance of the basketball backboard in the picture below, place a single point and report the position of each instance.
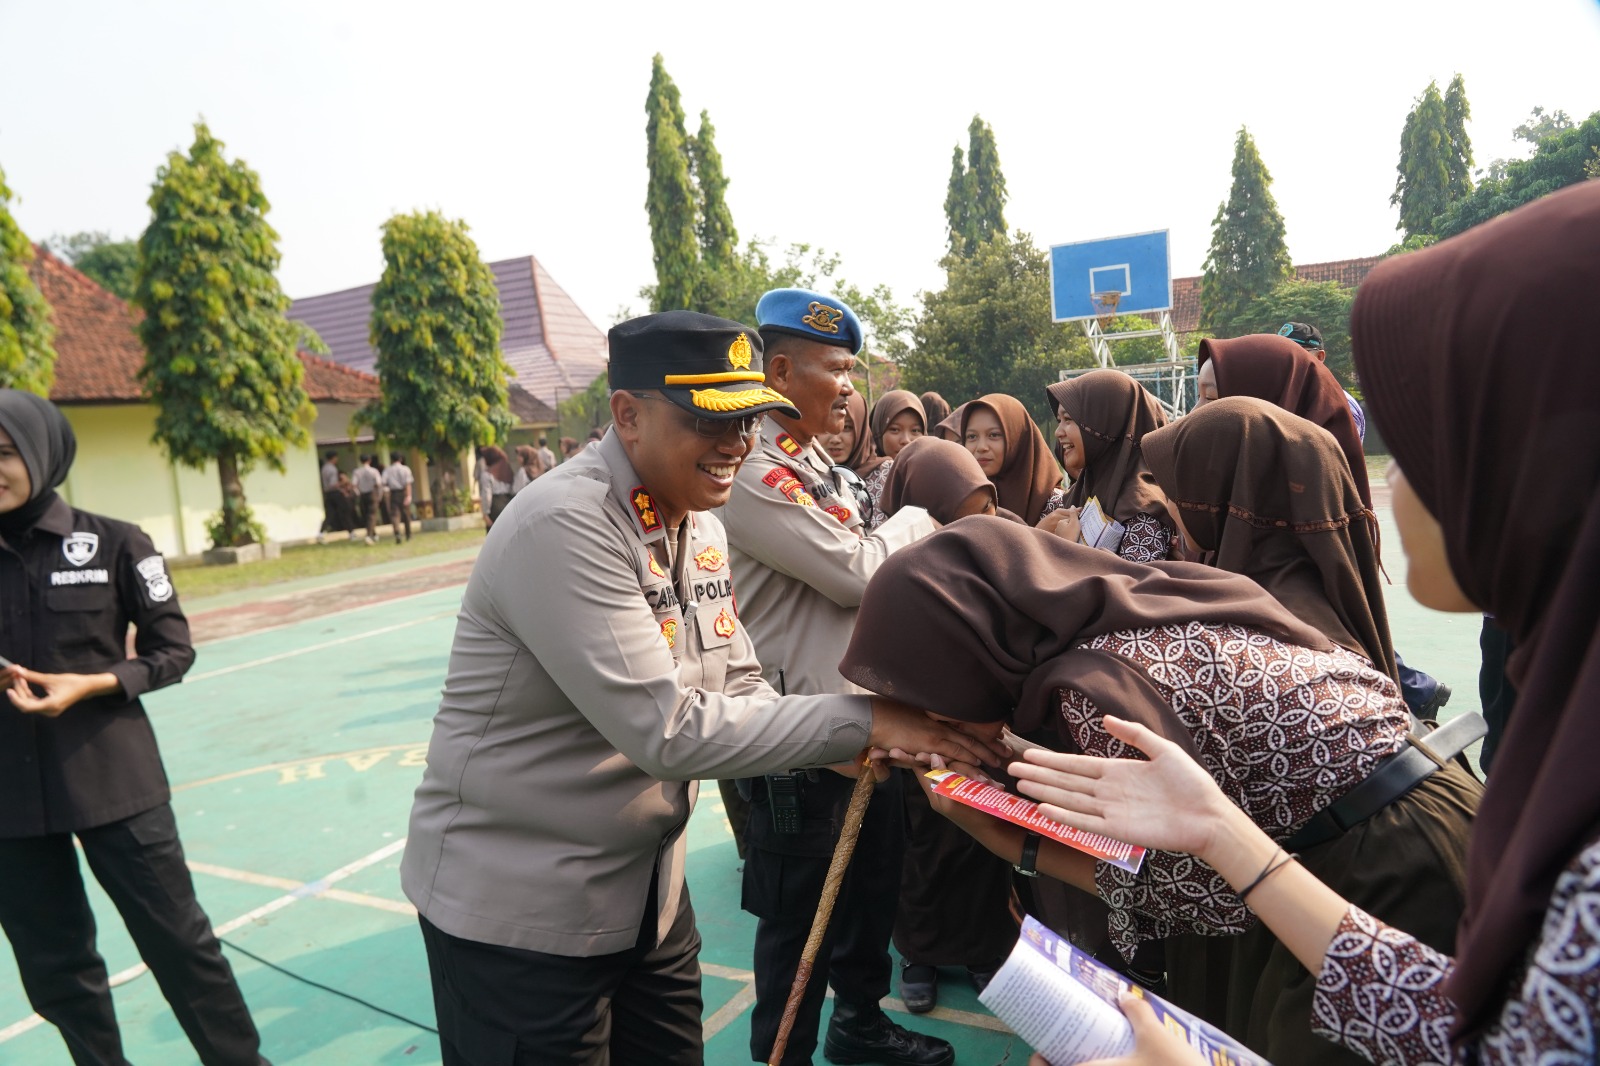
(1137, 267)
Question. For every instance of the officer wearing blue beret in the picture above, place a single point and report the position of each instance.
(800, 543)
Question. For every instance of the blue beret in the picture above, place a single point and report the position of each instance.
(812, 315)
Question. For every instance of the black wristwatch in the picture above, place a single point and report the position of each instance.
(1028, 865)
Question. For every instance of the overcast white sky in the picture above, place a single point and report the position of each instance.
(835, 122)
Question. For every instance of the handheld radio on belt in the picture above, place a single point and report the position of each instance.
(783, 790)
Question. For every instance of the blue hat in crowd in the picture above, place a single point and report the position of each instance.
(812, 315)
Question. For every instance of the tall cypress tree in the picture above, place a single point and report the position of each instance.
(1422, 190)
(988, 183)
(671, 200)
(718, 238)
(1248, 253)
(958, 205)
(27, 360)
(220, 355)
(1456, 113)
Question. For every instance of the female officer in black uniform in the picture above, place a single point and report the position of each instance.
(78, 758)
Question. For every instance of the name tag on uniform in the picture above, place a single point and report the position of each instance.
(96, 576)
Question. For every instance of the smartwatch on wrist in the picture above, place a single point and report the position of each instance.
(1028, 865)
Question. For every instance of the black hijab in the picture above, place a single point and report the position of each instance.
(44, 439)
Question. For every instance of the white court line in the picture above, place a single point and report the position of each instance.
(306, 891)
(323, 617)
(360, 899)
(219, 672)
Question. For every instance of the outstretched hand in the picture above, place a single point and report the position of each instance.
(896, 725)
(1167, 802)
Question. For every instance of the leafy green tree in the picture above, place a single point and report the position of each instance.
(975, 202)
(1422, 190)
(1539, 125)
(672, 200)
(114, 265)
(1249, 254)
(1560, 160)
(583, 411)
(436, 327)
(1324, 304)
(718, 237)
(27, 359)
(1456, 113)
(989, 328)
(220, 359)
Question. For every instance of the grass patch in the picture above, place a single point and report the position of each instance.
(196, 580)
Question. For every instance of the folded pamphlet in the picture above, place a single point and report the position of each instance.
(1064, 1005)
(1099, 530)
(992, 799)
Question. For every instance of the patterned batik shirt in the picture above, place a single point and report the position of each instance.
(875, 482)
(1380, 991)
(1145, 539)
(1058, 497)
(1283, 730)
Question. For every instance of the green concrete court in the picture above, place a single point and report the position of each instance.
(294, 751)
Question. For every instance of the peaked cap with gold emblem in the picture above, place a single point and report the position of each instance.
(706, 365)
(812, 315)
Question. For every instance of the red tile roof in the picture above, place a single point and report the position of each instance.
(1186, 291)
(552, 347)
(98, 351)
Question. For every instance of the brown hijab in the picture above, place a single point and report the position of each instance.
(1113, 413)
(1002, 607)
(496, 463)
(863, 457)
(1268, 495)
(889, 405)
(936, 475)
(950, 427)
(1487, 387)
(935, 409)
(1028, 474)
(1278, 370)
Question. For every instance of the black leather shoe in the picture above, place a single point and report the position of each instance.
(982, 976)
(1429, 712)
(919, 987)
(863, 1033)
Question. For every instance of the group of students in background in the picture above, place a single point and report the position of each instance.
(498, 480)
(1360, 894)
(370, 492)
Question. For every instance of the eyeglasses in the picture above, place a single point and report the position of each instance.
(714, 428)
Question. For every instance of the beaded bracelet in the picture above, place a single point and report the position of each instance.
(1272, 867)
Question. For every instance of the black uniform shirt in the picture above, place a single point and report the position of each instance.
(69, 587)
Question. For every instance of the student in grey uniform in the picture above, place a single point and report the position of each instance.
(798, 532)
(600, 666)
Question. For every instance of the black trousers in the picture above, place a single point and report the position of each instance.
(398, 513)
(139, 862)
(500, 1006)
(783, 877)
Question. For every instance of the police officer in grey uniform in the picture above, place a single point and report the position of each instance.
(600, 666)
(797, 529)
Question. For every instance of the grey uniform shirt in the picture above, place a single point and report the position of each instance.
(590, 683)
(802, 561)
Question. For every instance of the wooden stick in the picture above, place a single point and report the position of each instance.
(830, 893)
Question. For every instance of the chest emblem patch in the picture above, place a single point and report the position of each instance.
(788, 445)
(669, 629)
(79, 548)
(710, 560)
(655, 567)
(644, 509)
(841, 513)
(724, 625)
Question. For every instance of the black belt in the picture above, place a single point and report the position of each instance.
(1391, 779)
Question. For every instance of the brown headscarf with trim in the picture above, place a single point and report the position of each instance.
(935, 409)
(1486, 385)
(1028, 473)
(979, 622)
(1266, 494)
(1113, 413)
(936, 475)
(1278, 370)
(496, 463)
(950, 427)
(889, 405)
(863, 457)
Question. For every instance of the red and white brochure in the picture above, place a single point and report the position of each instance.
(991, 799)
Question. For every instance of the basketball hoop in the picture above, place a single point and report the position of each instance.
(1105, 306)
